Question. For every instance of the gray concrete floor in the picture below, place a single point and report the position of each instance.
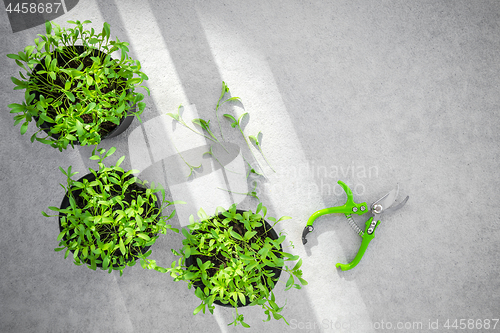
(373, 93)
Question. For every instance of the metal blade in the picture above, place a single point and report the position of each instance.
(387, 200)
(399, 205)
(307, 229)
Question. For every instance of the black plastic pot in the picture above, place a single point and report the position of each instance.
(277, 272)
(124, 122)
(65, 203)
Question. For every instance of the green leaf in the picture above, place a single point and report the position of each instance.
(120, 109)
(122, 247)
(105, 262)
(24, 127)
(290, 256)
(141, 106)
(232, 99)
(253, 139)
(120, 160)
(48, 27)
(297, 266)
(173, 115)
(106, 30)
(242, 298)
(242, 116)
(79, 128)
(232, 118)
(29, 49)
(75, 254)
(249, 234)
(246, 257)
(235, 235)
(202, 123)
(70, 95)
(14, 56)
(187, 251)
(46, 118)
(143, 236)
(199, 308)
(18, 82)
(41, 45)
(139, 221)
(110, 152)
(53, 64)
(61, 235)
(289, 282)
(285, 218)
(279, 240)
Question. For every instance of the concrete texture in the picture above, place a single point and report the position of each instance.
(373, 93)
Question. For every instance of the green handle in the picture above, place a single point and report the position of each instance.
(367, 238)
(331, 210)
(349, 207)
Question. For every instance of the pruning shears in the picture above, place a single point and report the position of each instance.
(382, 205)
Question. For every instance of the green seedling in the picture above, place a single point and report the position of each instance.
(232, 258)
(257, 142)
(74, 89)
(111, 217)
(224, 90)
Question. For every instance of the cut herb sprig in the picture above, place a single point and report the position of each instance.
(225, 89)
(205, 125)
(236, 123)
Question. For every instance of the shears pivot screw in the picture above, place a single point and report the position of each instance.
(355, 209)
(377, 209)
(362, 208)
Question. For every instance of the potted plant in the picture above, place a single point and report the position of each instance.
(109, 218)
(235, 258)
(75, 90)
